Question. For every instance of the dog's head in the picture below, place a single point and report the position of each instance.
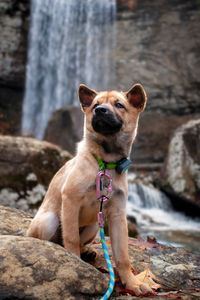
(110, 112)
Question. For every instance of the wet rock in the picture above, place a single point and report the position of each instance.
(181, 172)
(26, 167)
(65, 128)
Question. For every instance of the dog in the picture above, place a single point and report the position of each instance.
(110, 127)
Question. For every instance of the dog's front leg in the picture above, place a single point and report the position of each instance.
(70, 224)
(119, 240)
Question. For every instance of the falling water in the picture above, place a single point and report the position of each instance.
(155, 217)
(70, 42)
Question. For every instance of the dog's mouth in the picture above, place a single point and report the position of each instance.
(105, 122)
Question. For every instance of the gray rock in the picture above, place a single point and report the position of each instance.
(154, 133)
(65, 127)
(26, 167)
(14, 24)
(181, 172)
(152, 49)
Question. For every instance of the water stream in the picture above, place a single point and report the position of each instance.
(156, 217)
(70, 42)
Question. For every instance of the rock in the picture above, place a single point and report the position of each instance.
(26, 167)
(175, 268)
(65, 128)
(181, 171)
(14, 22)
(35, 269)
(14, 221)
(132, 226)
(154, 133)
(14, 17)
(152, 50)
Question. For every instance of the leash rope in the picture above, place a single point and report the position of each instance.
(110, 267)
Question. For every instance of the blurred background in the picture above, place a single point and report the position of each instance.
(49, 47)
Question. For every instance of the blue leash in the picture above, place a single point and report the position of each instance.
(110, 268)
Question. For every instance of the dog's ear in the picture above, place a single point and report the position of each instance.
(137, 97)
(86, 96)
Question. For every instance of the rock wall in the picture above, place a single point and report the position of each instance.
(158, 45)
(14, 23)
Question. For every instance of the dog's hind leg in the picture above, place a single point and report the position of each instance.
(44, 226)
(87, 234)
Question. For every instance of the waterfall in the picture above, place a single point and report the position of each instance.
(70, 42)
(156, 217)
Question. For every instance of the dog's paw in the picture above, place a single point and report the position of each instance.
(138, 287)
(88, 253)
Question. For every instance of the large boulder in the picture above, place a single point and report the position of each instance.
(26, 167)
(35, 269)
(181, 171)
(65, 127)
(154, 133)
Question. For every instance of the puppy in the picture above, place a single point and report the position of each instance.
(110, 127)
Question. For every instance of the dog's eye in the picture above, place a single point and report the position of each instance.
(95, 105)
(119, 105)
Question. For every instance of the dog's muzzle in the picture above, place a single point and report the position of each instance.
(105, 121)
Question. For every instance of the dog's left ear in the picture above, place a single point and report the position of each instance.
(86, 96)
(137, 97)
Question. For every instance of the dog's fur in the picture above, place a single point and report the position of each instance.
(111, 120)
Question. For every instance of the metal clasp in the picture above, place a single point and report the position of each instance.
(98, 183)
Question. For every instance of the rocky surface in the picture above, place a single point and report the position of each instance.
(14, 221)
(65, 128)
(181, 172)
(26, 167)
(35, 269)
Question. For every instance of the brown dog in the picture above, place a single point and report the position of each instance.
(111, 120)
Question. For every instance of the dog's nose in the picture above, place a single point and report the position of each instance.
(101, 110)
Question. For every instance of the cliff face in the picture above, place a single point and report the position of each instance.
(158, 45)
(14, 23)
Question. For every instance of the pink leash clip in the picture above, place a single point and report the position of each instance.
(109, 189)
